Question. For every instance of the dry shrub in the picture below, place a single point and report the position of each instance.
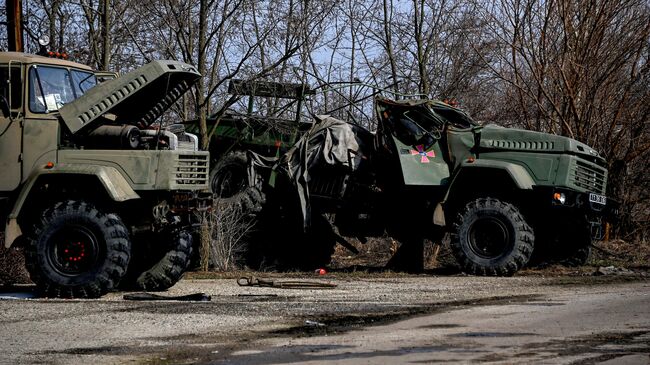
(620, 253)
(224, 239)
(377, 252)
(12, 265)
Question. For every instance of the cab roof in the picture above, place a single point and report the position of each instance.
(27, 58)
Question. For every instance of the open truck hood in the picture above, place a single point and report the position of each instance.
(137, 98)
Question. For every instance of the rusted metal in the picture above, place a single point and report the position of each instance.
(14, 25)
(293, 284)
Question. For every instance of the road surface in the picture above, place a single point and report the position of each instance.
(372, 319)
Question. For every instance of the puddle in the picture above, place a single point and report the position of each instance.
(494, 334)
(544, 304)
(18, 295)
(441, 326)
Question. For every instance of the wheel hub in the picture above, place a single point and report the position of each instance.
(73, 251)
(489, 238)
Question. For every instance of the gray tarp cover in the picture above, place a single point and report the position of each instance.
(330, 141)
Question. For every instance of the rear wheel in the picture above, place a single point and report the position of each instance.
(491, 238)
(228, 177)
(77, 251)
(229, 183)
(159, 263)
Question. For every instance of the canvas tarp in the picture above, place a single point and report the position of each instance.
(329, 142)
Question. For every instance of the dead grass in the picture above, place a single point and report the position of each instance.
(619, 253)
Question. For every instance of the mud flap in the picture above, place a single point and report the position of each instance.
(439, 216)
(12, 231)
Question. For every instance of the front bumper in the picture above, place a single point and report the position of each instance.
(568, 201)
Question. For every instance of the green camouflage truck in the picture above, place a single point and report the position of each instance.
(90, 185)
(233, 133)
(503, 193)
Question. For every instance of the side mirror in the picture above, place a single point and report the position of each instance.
(4, 106)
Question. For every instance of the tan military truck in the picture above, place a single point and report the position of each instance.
(90, 183)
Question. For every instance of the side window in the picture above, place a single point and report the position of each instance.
(82, 81)
(36, 100)
(13, 84)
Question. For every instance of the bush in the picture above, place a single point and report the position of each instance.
(224, 242)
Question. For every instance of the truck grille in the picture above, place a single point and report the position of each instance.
(191, 170)
(588, 177)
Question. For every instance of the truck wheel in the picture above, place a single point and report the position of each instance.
(491, 238)
(77, 251)
(229, 183)
(169, 270)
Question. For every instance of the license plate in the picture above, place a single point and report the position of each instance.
(598, 199)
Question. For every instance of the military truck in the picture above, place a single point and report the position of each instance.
(503, 193)
(269, 134)
(91, 184)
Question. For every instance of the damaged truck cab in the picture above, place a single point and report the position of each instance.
(92, 185)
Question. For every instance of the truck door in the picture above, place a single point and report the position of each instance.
(11, 98)
(416, 136)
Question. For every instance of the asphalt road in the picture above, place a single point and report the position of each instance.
(365, 320)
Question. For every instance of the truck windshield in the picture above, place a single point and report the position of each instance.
(52, 87)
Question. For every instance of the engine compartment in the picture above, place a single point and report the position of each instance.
(130, 137)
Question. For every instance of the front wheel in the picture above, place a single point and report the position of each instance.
(77, 251)
(491, 237)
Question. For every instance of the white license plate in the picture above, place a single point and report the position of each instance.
(598, 199)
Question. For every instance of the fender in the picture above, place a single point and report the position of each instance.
(114, 183)
(519, 175)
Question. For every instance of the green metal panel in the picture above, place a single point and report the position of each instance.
(40, 143)
(541, 167)
(10, 149)
(149, 170)
(519, 174)
(422, 166)
(496, 138)
(112, 180)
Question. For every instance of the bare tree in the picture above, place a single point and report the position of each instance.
(580, 69)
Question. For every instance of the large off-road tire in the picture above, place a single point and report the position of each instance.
(77, 251)
(171, 267)
(229, 183)
(491, 237)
